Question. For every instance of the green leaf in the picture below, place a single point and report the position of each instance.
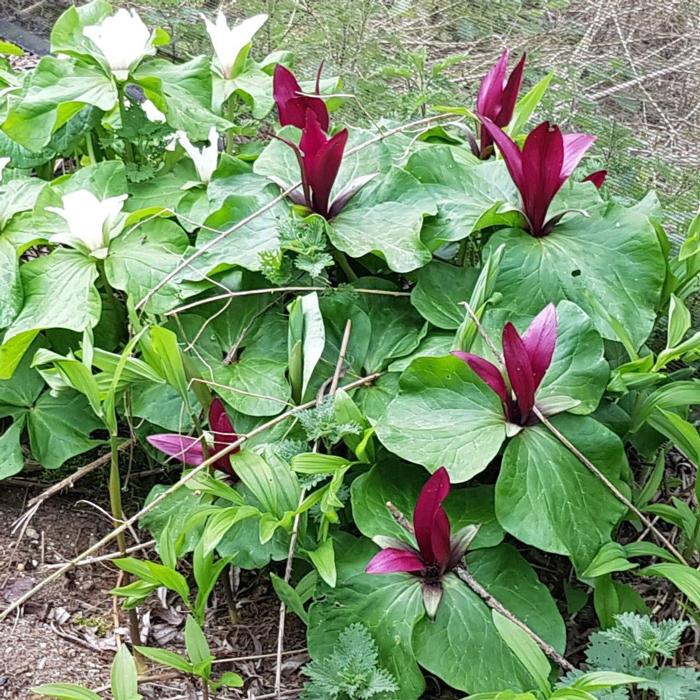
(272, 483)
(547, 498)
(611, 557)
(439, 290)
(388, 606)
(578, 371)
(230, 680)
(13, 295)
(314, 337)
(599, 257)
(468, 197)
(57, 90)
(464, 621)
(144, 255)
(385, 218)
(162, 352)
(124, 676)
(683, 434)
(186, 89)
(528, 653)
(244, 246)
(672, 395)
(444, 416)
(11, 455)
(600, 680)
(679, 321)
(527, 104)
(400, 483)
(196, 644)
(289, 597)
(166, 658)
(65, 691)
(60, 426)
(59, 292)
(323, 558)
(67, 34)
(685, 578)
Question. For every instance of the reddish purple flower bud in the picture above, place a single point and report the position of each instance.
(292, 104)
(527, 359)
(547, 160)
(497, 98)
(224, 435)
(438, 551)
(190, 450)
(597, 178)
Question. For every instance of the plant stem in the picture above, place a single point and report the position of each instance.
(115, 500)
(344, 265)
(122, 112)
(90, 148)
(462, 255)
(230, 598)
(230, 113)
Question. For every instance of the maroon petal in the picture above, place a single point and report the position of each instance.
(432, 528)
(224, 435)
(487, 371)
(575, 147)
(183, 447)
(488, 101)
(393, 561)
(510, 94)
(509, 150)
(597, 178)
(543, 158)
(519, 370)
(539, 340)
(322, 159)
(291, 104)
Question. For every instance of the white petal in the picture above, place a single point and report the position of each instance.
(122, 38)
(228, 43)
(3, 164)
(152, 112)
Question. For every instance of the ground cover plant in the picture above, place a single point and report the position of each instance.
(390, 369)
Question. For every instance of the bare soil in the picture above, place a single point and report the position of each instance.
(67, 632)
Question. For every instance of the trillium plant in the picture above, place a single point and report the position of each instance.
(397, 316)
(526, 359)
(438, 551)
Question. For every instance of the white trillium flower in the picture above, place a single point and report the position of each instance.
(3, 165)
(123, 40)
(152, 112)
(92, 222)
(205, 159)
(228, 42)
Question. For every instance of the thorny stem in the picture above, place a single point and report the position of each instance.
(245, 221)
(581, 457)
(115, 501)
(463, 574)
(19, 602)
(295, 528)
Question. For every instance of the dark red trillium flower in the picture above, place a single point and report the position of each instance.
(541, 168)
(597, 178)
(496, 100)
(292, 103)
(527, 360)
(190, 450)
(438, 551)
